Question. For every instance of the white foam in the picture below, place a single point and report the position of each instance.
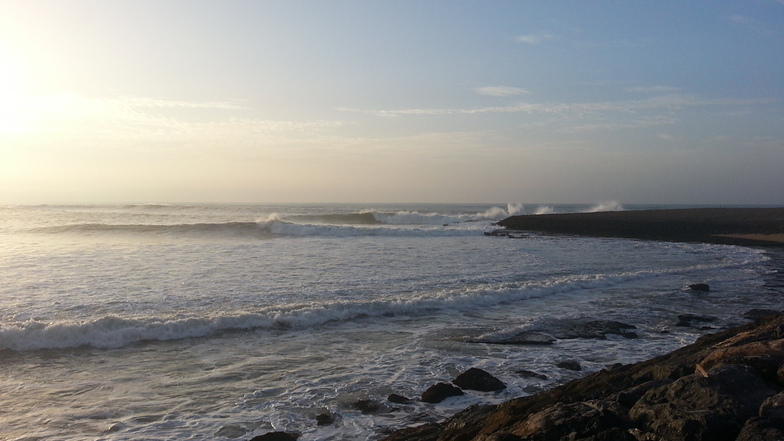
(114, 331)
(606, 206)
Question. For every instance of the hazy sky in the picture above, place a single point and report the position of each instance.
(392, 101)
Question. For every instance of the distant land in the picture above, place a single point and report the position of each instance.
(736, 226)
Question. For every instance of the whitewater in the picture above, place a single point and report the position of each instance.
(207, 321)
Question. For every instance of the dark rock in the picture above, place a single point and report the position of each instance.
(761, 429)
(367, 406)
(573, 421)
(398, 399)
(325, 419)
(688, 320)
(570, 365)
(439, 392)
(276, 436)
(612, 434)
(780, 374)
(699, 287)
(531, 374)
(764, 355)
(478, 379)
(493, 422)
(773, 407)
(695, 407)
(629, 397)
(597, 329)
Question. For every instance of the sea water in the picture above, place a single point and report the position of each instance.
(172, 322)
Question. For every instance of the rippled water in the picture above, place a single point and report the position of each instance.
(223, 322)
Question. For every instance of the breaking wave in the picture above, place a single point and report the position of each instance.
(113, 331)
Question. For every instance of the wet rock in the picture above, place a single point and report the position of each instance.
(596, 329)
(398, 399)
(439, 392)
(478, 379)
(277, 436)
(761, 429)
(531, 374)
(325, 419)
(367, 406)
(689, 320)
(570, 365)
(699, 287)
(695, 407)
(719, 406)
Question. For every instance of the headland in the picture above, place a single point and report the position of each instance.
(735, 226)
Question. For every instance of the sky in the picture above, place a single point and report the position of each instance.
(672, 101)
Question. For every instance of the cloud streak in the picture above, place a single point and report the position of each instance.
(501, 91)
(535, 38)
(663, 102)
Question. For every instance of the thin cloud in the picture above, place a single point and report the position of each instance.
(636, 124)
(535, 38)
(160, 103)
(501, 91)
(753, 25)
(652, 89)
(664, 102)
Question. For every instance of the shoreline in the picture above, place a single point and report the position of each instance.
(725, 386)
(730, 226)
(682, 395)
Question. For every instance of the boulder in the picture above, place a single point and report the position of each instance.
(398, 399)
(766, 356)
(630, 396)
(761, 429)
(439, 392)
(696, 407)
(597, 329)
(570, 365)
(689, 320)
(478, 379)
(531, 374)
(574, 421)
(773, 407)
(367, 406)
(325, 419)
(699, 287)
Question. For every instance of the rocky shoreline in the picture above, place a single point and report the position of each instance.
(727, 386)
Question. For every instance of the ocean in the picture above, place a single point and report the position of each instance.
(219, 322)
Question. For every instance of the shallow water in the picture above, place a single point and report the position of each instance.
(224, 322)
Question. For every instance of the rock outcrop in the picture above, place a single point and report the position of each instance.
(726, 386)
